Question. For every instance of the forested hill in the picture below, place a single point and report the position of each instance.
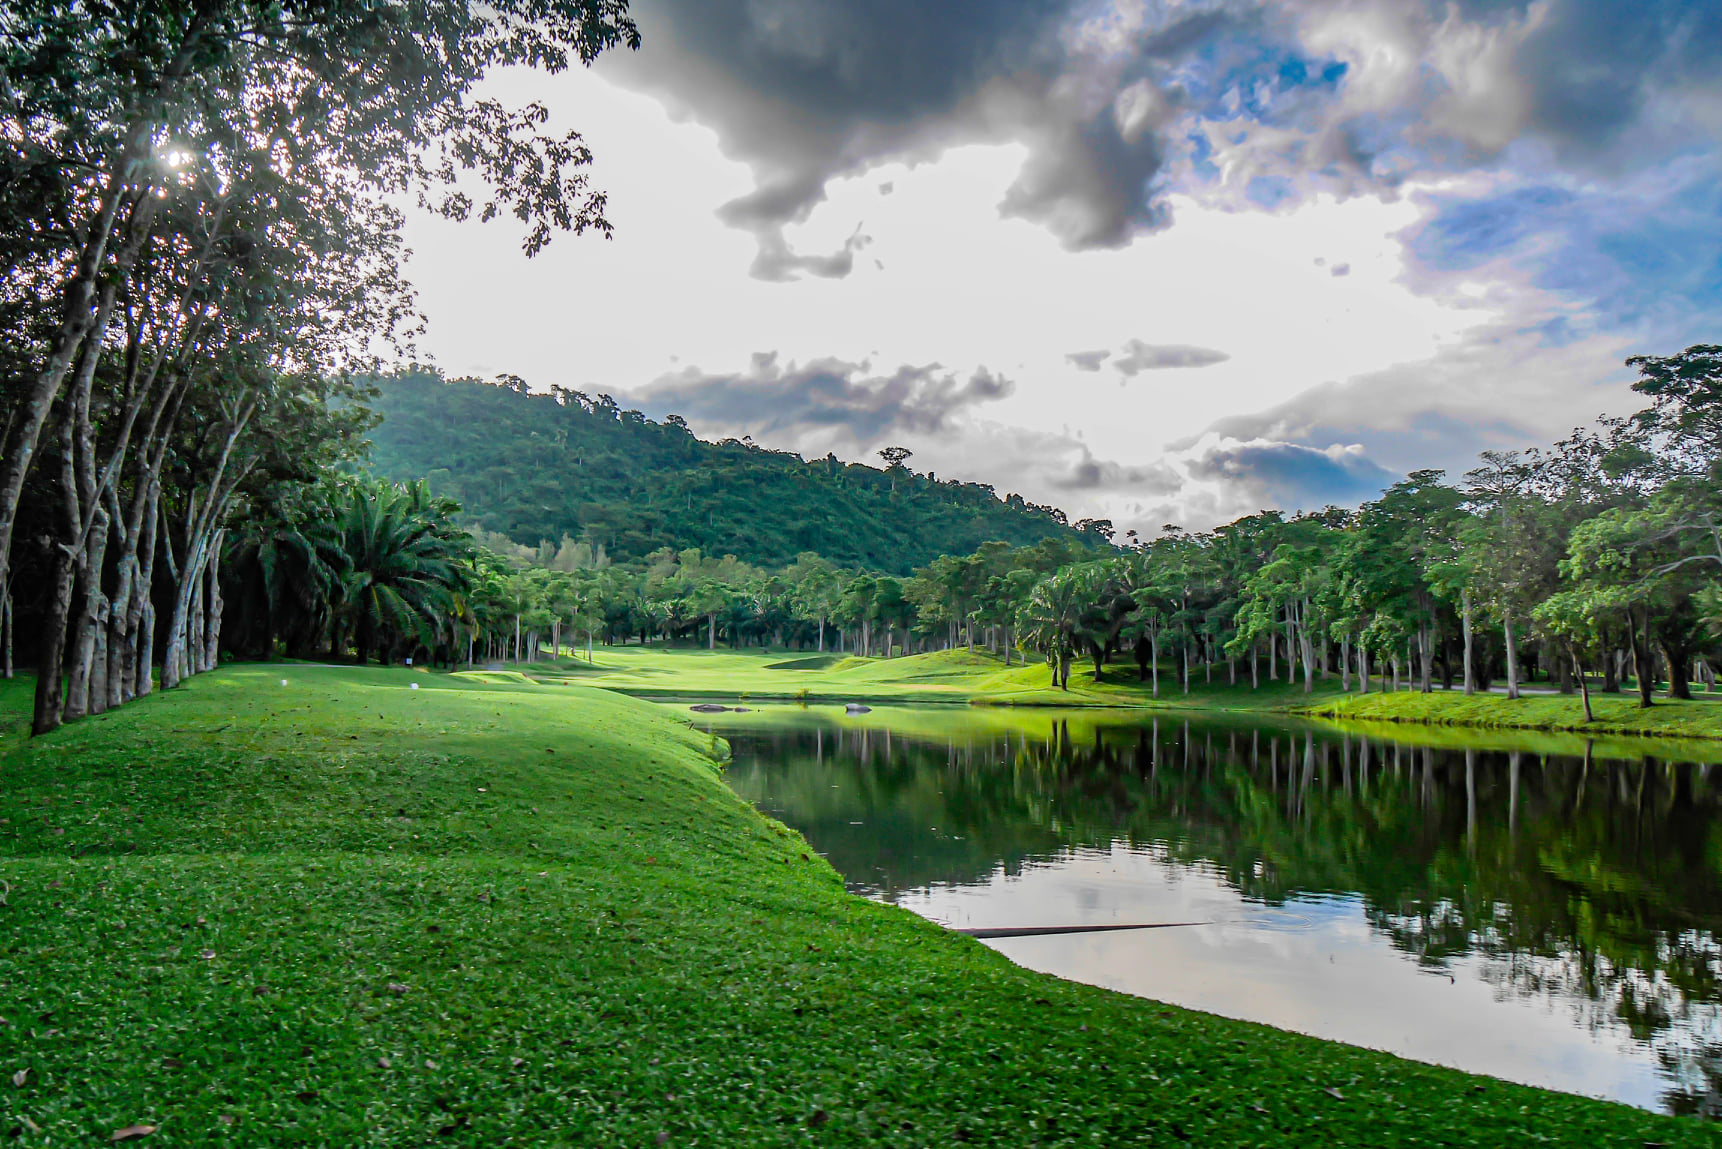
(540, 466)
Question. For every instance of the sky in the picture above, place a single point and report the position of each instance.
(1157, 262)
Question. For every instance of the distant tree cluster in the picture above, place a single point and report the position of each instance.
(1596, 558)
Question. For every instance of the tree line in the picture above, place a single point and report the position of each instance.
(1593, 557)
(1593, 561)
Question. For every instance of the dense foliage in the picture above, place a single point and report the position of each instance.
(541, 466)
(1596, 558)
(200, 237)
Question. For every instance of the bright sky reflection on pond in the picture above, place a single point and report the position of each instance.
(1526, 912)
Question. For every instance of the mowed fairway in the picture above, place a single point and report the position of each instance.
(955, 676)
(345, 912)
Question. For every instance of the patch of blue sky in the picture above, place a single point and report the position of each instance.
(1627, 258)
(1269, 192)
(1466, 233)
(1257, 81)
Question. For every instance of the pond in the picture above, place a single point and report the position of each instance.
(1542, 909)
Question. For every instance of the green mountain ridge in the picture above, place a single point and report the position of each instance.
(540, 465)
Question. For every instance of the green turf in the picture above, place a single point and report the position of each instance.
(1615, 714)
(343, 912)
(955, 676)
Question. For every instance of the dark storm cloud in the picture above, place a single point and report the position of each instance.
(806, 90)
(1257, 104)
(1138, 357)
(1292, 476)
(771, 398)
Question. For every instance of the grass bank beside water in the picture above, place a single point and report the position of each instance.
(1615, 714)
(345, 912)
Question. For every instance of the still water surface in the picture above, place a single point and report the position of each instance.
(1522, 909)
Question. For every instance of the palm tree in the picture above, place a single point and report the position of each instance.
(404, 574)
(1049, 620)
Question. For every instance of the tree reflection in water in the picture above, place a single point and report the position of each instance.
(1589, 882)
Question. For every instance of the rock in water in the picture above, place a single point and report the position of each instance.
(857, 708)
(708, 708)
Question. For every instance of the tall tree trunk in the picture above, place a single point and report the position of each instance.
(1465, 624)
(1644, 665)
(68, 553)
(50, 679)
(193, 651)
(213, 604)
(1426, 655)
(1304, 648)
(142, 621)
(1363, 667)
(91, 615)
(6, 629)
(1512, 656)
(1584, 686)
(1679, 685)
(1345, 664)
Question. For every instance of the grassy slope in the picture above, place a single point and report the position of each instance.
(342, 912)
(1615, 714)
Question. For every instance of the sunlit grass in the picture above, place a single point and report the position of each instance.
(345, 912)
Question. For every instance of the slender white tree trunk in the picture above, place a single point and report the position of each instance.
(1512, 657)
(1465, 629)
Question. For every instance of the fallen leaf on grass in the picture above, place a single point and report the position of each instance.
(225, 1118)
(206, 955)
(130, 1132)
(397, 988)
(385, 1063)
(1334, 1093)
(429, 1064)
(18, 1077)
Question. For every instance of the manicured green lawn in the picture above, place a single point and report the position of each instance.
(955, 676)
(1615, 713)
(345, 912)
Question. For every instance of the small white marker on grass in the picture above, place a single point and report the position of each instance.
(414, 686)
(283, 682)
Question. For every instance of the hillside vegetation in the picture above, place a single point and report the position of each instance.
(343, 912)
(541, 466)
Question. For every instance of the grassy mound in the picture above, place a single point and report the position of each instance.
(345, 912)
